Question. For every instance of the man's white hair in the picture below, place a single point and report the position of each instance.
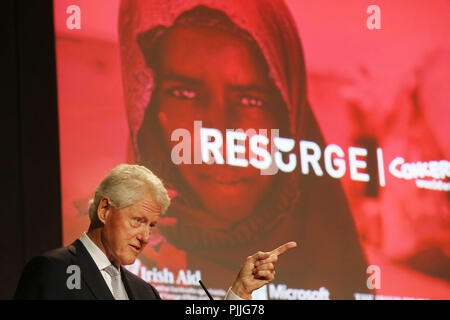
(125, 185)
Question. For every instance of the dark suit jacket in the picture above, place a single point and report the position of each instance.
(45, 277)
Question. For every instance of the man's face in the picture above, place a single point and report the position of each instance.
(220, 79)
(127, 231)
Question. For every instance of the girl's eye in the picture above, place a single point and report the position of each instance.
(184, 93)
(251, 102)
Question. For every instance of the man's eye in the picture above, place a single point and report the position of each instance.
(251, 102)
(184, 93)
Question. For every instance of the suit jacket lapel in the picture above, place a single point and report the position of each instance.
(129, 285)
(90, 274)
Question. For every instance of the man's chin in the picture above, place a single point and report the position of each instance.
(129, 260)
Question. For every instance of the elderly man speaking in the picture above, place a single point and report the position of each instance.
(128, 203)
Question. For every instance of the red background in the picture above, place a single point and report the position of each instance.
(376, 70)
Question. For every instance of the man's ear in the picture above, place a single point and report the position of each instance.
(104, 209)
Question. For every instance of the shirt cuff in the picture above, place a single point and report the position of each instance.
(232, 296)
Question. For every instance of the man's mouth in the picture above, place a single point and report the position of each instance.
(136, 248)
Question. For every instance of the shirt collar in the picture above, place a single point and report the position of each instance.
(96, 253)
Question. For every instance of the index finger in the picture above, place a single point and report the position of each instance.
(283, 248)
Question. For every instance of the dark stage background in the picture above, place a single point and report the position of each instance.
(30, 217)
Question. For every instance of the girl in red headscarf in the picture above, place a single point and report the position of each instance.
(233, 64)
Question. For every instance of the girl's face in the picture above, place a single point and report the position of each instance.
(222, 80)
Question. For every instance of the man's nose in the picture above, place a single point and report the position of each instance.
(144, 235)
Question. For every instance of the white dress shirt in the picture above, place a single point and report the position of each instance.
(100, 260)
(231, 295)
